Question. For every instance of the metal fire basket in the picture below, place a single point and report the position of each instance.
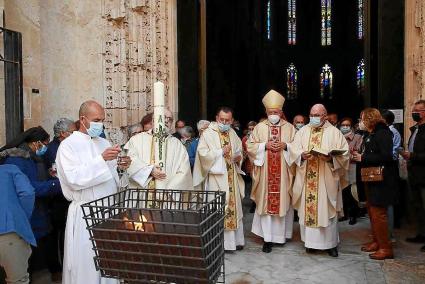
(158, 236)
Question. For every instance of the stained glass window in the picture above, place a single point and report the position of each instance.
(326, 82)
(360, 27)
(291, 82)
(268, 20)
(360, 74)
(292, 22)
(326, 22)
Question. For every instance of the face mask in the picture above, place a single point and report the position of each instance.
(298, 126)
(41, 151)
(315, 121)
(95, 129)
(416, 116)
(274, 118)
(223, 127)
(345, 129)
(362, 126)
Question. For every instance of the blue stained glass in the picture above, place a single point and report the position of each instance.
(291, 82)
(326, 22)
(360, 24)
(326, 82)
(360, 76)
(292, 22)
(268, 20)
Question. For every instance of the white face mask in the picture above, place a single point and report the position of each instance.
(273, 118)
(362, 126)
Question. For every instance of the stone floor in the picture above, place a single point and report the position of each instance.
(291, 264)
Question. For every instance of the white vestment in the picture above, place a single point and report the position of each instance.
(330, 179)
(210, 173)
(274, 228)
(177, 166)
(84, 177)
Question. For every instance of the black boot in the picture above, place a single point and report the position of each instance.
(310, 250)
(239, 247)
(418, 239)
(333, 252)
(353, 221)
(267, 247)
(253, 207)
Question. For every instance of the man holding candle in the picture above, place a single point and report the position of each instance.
(218, 167)
(145, 172)
(87, 170)
(159, 160)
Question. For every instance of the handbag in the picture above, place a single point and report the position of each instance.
(372, 174)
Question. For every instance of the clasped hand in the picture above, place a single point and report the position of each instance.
(157, 173)
(275, 146)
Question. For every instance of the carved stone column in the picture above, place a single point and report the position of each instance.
(139, 49)
(414, 57)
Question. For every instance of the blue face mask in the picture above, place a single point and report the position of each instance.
(95, 129)
(315, 121)
(223, 127)
(345, 129)
(298, 126)
(41, 151)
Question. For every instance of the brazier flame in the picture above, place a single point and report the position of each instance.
(136, 226)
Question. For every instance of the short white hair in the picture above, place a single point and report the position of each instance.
(202, 124)
(62, 125)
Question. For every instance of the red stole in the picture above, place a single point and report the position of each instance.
(274, 160)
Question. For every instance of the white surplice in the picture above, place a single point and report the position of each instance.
(274, 229)
(210, 173)
(332, 178)
(84, 177)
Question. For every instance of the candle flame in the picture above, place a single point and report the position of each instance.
(138, 226)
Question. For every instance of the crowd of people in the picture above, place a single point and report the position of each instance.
(316, 169)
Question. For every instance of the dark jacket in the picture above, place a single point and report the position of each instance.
(40, 222)
(416, 163)
(378, 151)
(52, 149)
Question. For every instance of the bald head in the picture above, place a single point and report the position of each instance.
(318, 109)
(317, 115)
(90, 111)
(89, 106)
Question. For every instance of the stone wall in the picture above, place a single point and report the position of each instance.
(414, 57)
(138, 35)
(62, 56)
(107, 50)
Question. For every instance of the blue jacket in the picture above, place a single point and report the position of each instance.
(16, 203)
(191, 150)
(40, 218)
